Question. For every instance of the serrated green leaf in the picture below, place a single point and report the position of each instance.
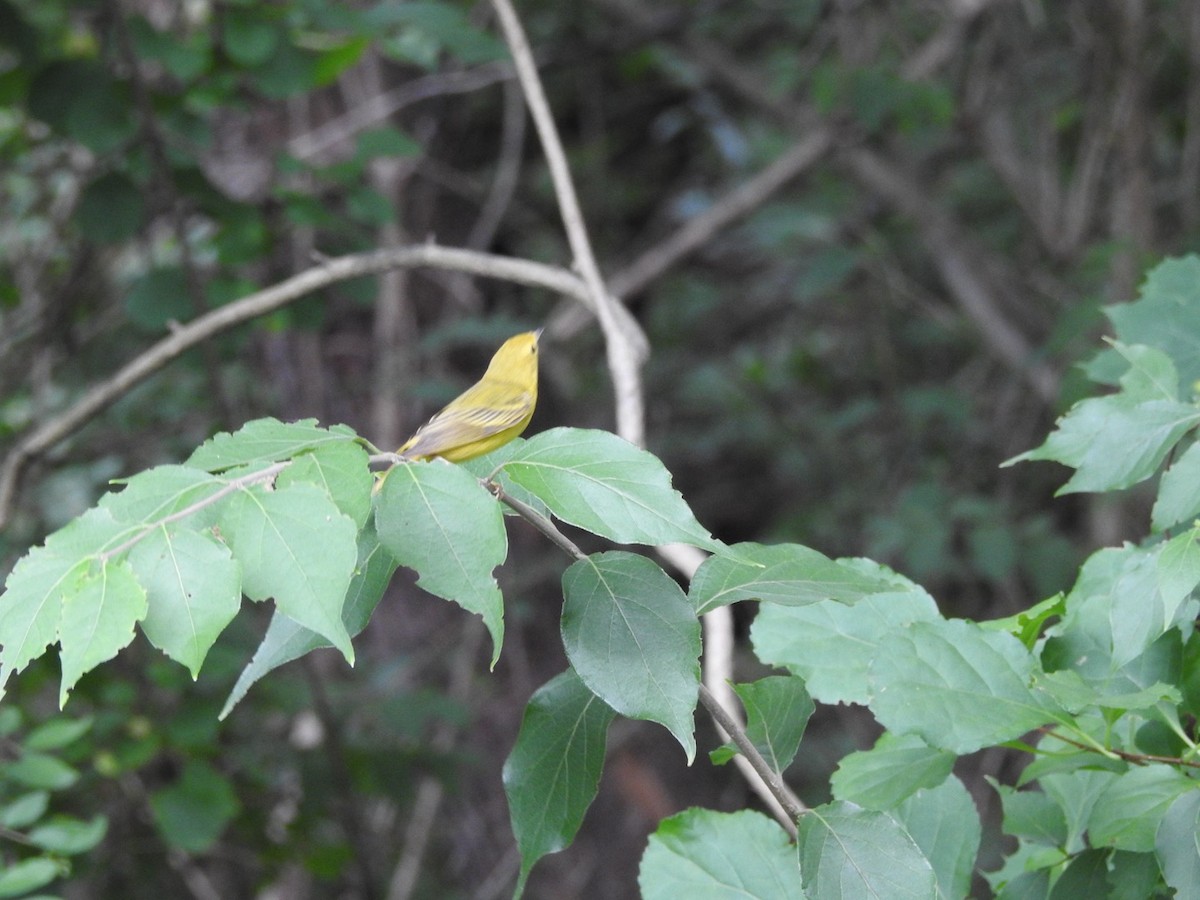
(958, 686)
(154, 494)
(1177, 845)
(1033, 816)
(944, 823)
(1027, 626)
(25, 810)
(603, 484)
(296, 547)
(831, 645)
(1178, 497)
(341, 470)
(1137, 612)
(1076, 794)
(551, 776)
(287, 639)
(1178, 570)
(69, 836)
(436, 519)
(777, 711)
(192, 812)
(193, 590)
(633, 638)
(894, 769)
(28, 875)
(31, 606)
(265, 440)
(1151, 374)
(98, 617)
(705, 855)
(1114, 442)
(847, 853)
(57, 733)
(1128, 812)
(788, 574)
(1165, 315)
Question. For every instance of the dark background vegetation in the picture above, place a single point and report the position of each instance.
(844, 365)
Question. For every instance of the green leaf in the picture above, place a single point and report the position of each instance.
(1135, 876)
(1128, 813)
(944, 823)
(265, 440)
(894, 769)
(1177, 845)
(699, 854)
(294, 546)
(342, 471)
(1165, 315)
(287, 639)
(633, 638)
(69, 836)
(1086, 875)
(193, 590)
(788, 574)
(1179, 491)
(154, 494)
(25, 810)
(1034, 816)
(777, 710)
(1027, 626)
(79, 98)
(37, 770)
(1076, 794)
(959, 687)
(831, 645)
(603, 484)
(28, 875)
(248, 37)
(57, 733)
(32, 603)
(551, 776)
(111, 209)
(848, 853)
(388, 141)
(1114, 442)
(1137, 613)
(98, 616)
(435, 518)
(192, 813)
(1179, 570)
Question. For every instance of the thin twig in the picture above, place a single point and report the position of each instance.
(537, 520)
(739, 202)
(382, 106)
(787, 800)
(785, 806)
(622, 348)
(236, 485)
(36, 442)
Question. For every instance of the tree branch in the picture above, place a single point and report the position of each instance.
(625, 350)
(36, 442)
(770, 777)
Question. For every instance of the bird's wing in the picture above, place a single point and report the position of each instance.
(474, 415)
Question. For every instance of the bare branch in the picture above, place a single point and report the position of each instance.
(737, 203)
(45, 436)
(624, 349)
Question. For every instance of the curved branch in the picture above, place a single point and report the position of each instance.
(330, 271)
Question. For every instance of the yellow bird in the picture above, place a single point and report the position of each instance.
(489, 413)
